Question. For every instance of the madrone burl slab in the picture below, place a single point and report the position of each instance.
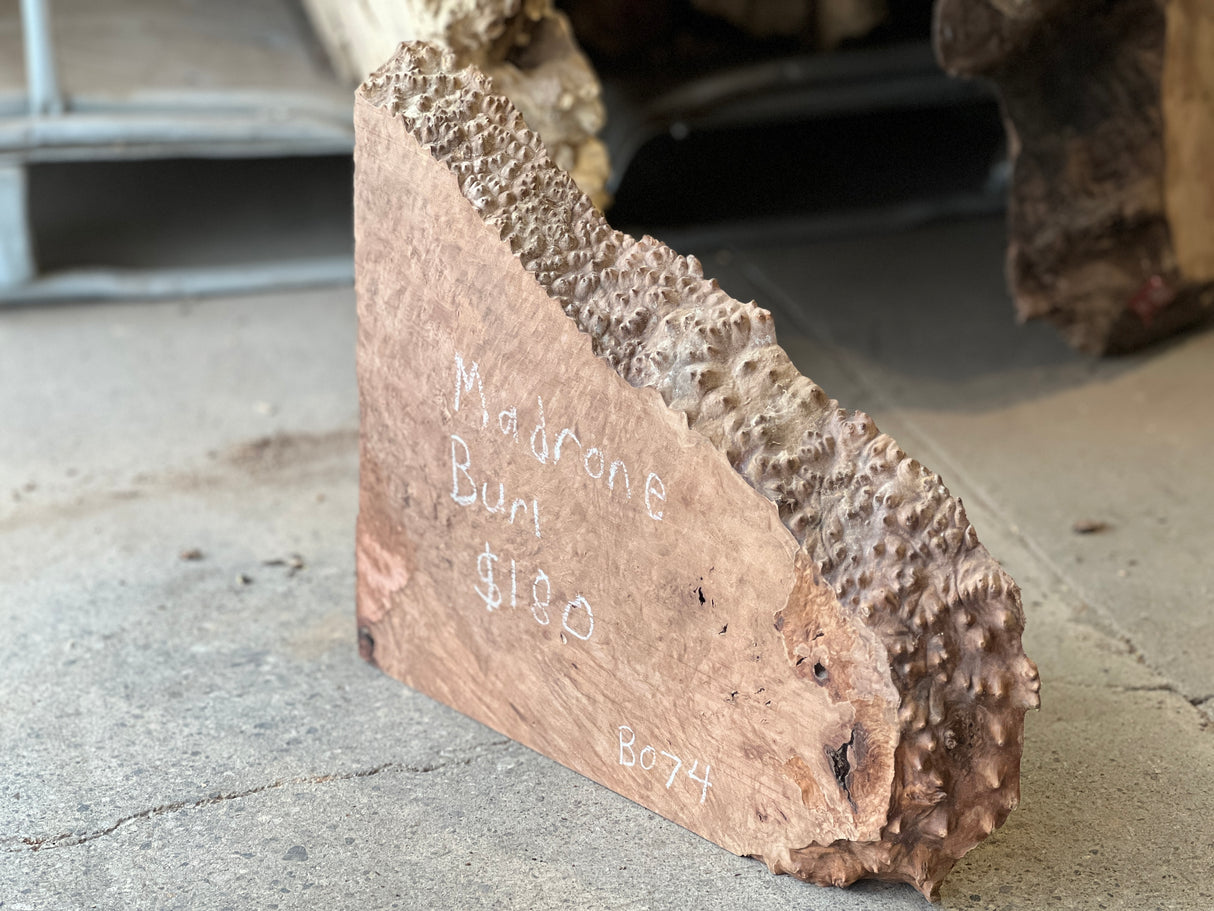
(602, 513)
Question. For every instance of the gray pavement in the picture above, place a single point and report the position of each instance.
(200, 733)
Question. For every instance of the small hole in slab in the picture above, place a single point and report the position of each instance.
(820, 673)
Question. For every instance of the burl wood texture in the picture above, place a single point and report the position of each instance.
(527, 46)
(603, 513)
(1096, 246)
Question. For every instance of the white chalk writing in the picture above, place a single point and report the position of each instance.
(465, 378)
(464, 490)
(577, 616)
(631, 757)
(594, 460)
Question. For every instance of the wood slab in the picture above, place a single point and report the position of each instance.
(602, 513)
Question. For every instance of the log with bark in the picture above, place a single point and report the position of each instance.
(1109, 110)
(602, 512)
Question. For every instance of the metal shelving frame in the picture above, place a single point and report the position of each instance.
(48, 124)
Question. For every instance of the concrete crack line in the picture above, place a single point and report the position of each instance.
(938, 455)
(68, 839)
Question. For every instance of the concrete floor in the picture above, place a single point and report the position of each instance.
(200, 733)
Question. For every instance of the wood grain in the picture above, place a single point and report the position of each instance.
(526, 46)
(740, 605)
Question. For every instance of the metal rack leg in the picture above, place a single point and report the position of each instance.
(16, 252)
(45, 96)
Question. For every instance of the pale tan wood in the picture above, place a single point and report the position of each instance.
(526, 46)
(798, 649)
(1187, 99)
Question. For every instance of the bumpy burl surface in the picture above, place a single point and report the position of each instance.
(527, 46)
(879, 527)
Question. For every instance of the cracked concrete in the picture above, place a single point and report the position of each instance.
(64, 840)
(195, 730)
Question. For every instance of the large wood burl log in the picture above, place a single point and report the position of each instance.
(1110, 114)
(603, 513)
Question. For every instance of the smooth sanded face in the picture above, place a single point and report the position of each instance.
(470, 244)
(556, 553)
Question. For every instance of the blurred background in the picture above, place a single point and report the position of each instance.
(160, 148)
(177, 147)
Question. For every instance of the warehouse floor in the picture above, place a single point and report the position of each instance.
(185, 722)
